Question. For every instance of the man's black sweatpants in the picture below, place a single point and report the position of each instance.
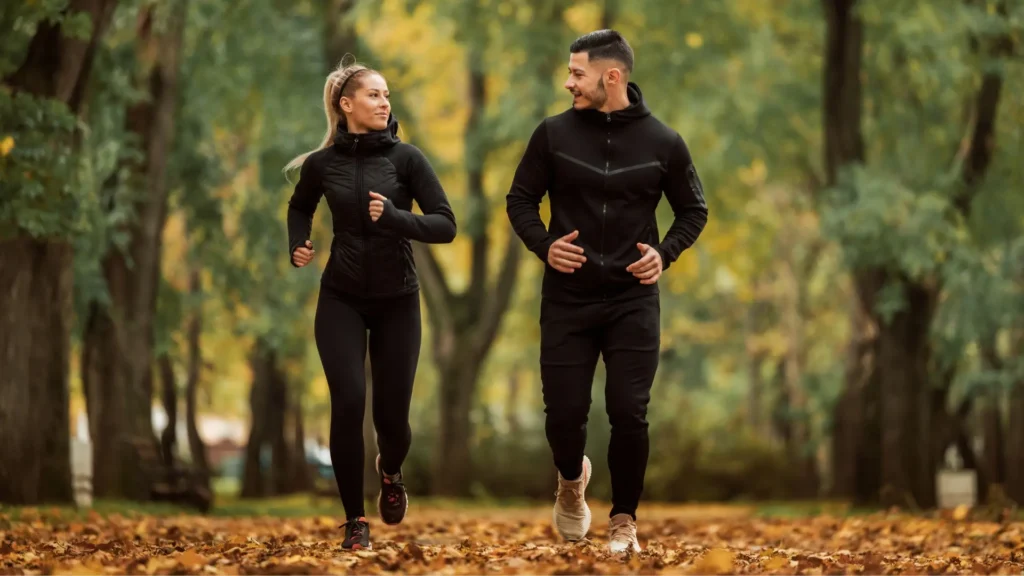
(341, 327)
(627, 334)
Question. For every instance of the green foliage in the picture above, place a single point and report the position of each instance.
(38, 168)
(19, 21)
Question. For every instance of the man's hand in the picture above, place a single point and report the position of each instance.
(303, 254)
(648, 267)
(376, 205)
(565, 256)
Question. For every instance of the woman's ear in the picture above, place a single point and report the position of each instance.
(345, 104)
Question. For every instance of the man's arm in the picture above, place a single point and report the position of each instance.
(529, 185)
(685, 194)
(302, 206)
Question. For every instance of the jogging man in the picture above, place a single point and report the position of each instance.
(605, 164)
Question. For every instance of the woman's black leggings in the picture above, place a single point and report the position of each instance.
(341, 327)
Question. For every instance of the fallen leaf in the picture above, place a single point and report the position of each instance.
(716, 561)
(960, 512)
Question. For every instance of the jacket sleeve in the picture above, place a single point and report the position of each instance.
(685, 194)
(437, 223)
(302, 206)
(530, 183)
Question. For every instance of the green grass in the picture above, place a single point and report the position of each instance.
(228, 504)
(805, 509)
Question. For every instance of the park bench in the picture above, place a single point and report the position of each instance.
(178, 484)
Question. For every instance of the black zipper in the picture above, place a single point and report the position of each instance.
(604, 196)
(365, 209)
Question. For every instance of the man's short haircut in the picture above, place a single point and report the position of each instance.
(604, 45)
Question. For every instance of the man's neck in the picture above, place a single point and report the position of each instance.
(616, 101)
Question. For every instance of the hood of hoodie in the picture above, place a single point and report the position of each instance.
(367, 142)
(637, 108)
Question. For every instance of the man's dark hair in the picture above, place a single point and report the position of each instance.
(604, 45)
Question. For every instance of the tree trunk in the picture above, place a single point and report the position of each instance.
(339, 33)
(268, 401)
(277, 409)
(755, 321)
(196, 447)
(170, 397)
(1015, 445)
(472, 318)
(36, 294)
(254, 485)
(856, 431)
(301, 480)
(458, 374)
(123, 334)
(35, 332)
(608, 13)
(515, 386)
(908, 462)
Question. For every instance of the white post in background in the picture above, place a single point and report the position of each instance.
(954, 485)
(81, 464)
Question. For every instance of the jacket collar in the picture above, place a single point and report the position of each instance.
(368, 142)
(637, 109)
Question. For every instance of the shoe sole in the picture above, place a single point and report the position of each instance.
(380, 496)
(587, 472)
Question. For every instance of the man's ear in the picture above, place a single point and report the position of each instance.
(614, 76)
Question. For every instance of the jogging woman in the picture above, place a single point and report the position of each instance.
(369, 292)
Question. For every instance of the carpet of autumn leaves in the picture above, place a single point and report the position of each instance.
(674, 539)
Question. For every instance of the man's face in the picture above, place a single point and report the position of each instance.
(586, 82)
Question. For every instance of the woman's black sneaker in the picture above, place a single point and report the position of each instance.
(392, 502)
(357, 535)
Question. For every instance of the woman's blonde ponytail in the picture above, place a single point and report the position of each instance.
(336, 80)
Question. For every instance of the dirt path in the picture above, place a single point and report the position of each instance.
(700, 540)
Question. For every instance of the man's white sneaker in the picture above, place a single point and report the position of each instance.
(571, 514)
(622, 534)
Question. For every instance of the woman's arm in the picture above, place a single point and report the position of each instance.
(437, 223)
(302, 206)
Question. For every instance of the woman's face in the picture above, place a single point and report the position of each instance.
(368, 109)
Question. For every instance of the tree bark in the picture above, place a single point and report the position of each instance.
(301, 480)
(609, 12)
(36, 295)
(339, 35)
(268, 401)
(1015, 432)
(280, 453)
(169, 389)
(196, 447)
(254, 484)
(123, 335)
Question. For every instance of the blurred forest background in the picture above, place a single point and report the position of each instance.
(850, 323)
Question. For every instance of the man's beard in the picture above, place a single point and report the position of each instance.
(598, 96)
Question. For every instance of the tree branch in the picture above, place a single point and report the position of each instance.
(844, 142)
(494, 306)
(436, 292)
(476, 155)
(977, 155)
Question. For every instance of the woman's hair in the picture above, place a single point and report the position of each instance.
(343, 81)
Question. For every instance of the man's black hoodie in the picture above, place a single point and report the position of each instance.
(605, 174)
